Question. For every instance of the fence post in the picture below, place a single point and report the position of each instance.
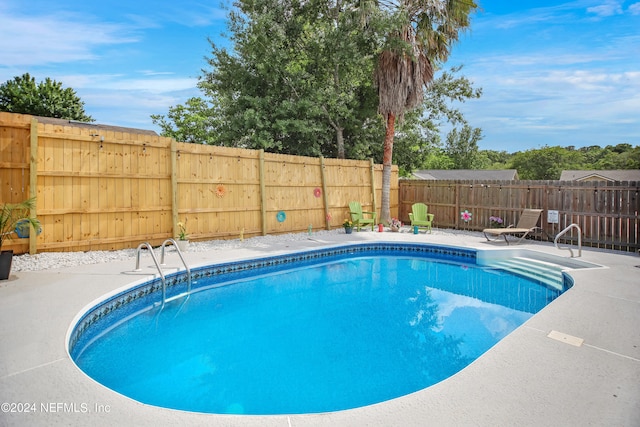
(33, 181)
(373, 186)
(174, 188)
(263, 195)
(456, 196)
(327, 221)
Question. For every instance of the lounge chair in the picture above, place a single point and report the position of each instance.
(358, 216)
(419, 216)
(527, 223)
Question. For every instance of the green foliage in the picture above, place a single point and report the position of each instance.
(462, 146)
(417, 142)
(545, 163)
(449, 88)
(495, 159)
(549, 162)
(416, 137)
(47, 99)
(298, 81)
(194, 122)
(11, 214)
(438, 159)
(621, 156)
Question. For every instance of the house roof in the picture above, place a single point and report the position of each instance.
(96, 126)
(601, 175)
(467, 174)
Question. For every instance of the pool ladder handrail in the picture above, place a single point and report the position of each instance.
(159, 268)
(186, 267)
(563, 232)
(155, 261)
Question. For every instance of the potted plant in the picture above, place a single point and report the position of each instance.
(14, 216)
(348, 226)
(496, 222)
(183, 237)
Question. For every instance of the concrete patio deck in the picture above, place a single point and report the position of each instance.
(527, 379)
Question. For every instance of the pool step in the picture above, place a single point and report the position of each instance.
(548, 273)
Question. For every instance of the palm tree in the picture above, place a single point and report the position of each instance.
(421, 37)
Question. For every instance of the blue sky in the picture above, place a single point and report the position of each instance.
(552, 73)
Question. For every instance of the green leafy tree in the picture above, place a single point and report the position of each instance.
(497, 159)
(297, 80)
(621, 156)
(47, 99)
(549, 162)
(194, 122)
(592, 154)
(448, 88)
(462, 146)
(620, 148)
(631, 158)
(545, 163)
(438, 159)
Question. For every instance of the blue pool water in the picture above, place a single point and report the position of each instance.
(341, 332)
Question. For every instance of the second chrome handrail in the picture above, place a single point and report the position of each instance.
(563, 232)
(155, 261)
(175, 244)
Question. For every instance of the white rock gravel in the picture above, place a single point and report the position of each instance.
(48, 260)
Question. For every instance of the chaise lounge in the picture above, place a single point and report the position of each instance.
(528, 223)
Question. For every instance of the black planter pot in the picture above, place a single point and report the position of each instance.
(5, 264)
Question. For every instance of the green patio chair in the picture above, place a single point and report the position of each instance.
(358, 216)
(419, 216)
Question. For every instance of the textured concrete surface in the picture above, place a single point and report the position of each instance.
(527, 379)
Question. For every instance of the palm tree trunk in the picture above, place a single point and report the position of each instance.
(385, 210)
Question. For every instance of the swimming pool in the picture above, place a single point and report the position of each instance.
(370, 321)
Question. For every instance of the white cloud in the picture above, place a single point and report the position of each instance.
(156, 73)
(56, 38)
(196, 15)
(121, 82)
(547, 82)
(634, 9)
(578, 107)
(549, 57)
(153, 85)
(130, 101)
(129, 108)
(608, 8)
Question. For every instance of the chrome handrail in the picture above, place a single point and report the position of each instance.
(175, 244)
(563, 232)
(155, 261)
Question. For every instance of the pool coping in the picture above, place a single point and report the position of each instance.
(526, 379)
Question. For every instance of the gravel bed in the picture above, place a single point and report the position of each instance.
(48, 260)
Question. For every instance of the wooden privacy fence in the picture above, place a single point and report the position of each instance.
(607, 212)
(104, 188)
